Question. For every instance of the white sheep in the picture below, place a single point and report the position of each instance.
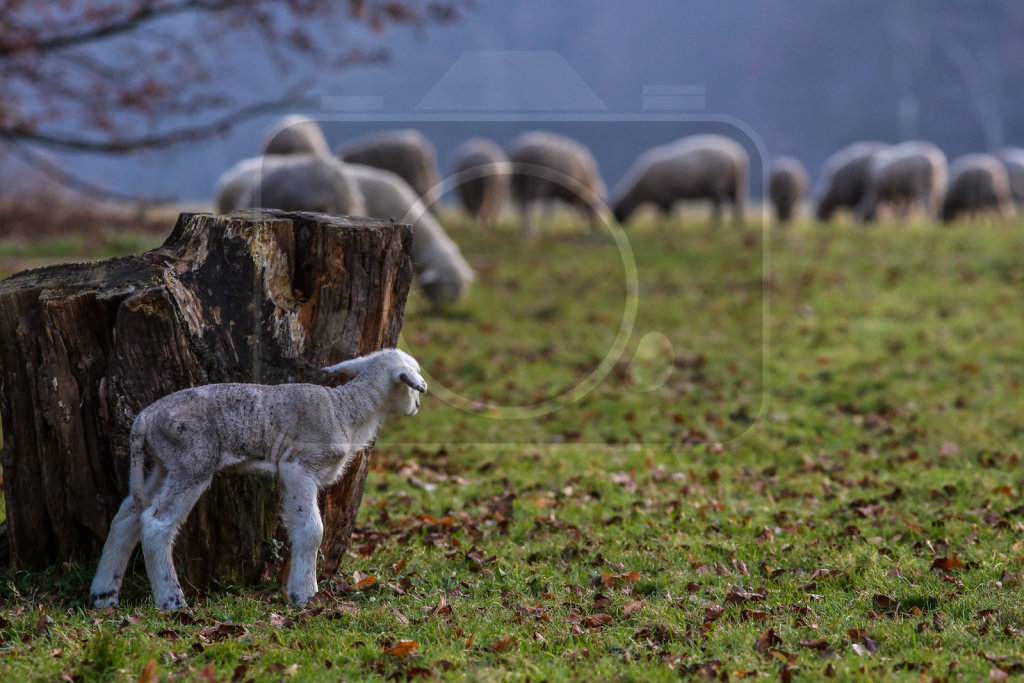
(235, 183)
(295, 134)
(1013, 159)
(710, 167)
(904, 176)
(548, 166)
(300, 182)
(787, 184)
(481, 171)
(406, 152)
(305, 434)
(844, 178)
(441, 270)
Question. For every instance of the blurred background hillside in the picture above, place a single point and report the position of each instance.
(807, 76)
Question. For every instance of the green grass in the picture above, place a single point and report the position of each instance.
(765, 489)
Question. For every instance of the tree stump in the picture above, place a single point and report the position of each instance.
(255, 296)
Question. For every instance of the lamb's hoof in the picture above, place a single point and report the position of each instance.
(299, 600)
(175, 602)
(104, 600)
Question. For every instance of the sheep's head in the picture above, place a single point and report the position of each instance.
(447, 283)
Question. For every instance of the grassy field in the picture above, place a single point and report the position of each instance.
(792, 456)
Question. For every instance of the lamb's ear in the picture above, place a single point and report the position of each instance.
(413, 380)
(348, 367)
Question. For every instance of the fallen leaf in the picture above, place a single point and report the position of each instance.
(598, 620)
(402, 648)
(148, 674)
(365, 582)
(816, 644)
(713, 612)
(503, 644)
(633, 607)
(947, 564)
(766, 640)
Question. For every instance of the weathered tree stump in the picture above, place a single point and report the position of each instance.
(255, 296)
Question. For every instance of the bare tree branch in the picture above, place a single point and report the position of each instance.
(163, 140)
(73, 182)
(126, 24)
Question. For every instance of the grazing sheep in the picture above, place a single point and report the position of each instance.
(405, 152)
(235, 183)
(1013, 159)
(696, 167)
(295, 134)
(787, 184)
(978, 183)
(551, 166)
(440, 268)
(302, 182)
(305, 434)
(844, 178)
(905, 175)
(482, 175)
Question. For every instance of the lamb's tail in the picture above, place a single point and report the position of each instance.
(137, 443)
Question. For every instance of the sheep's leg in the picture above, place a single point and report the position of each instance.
(524, 217)
(160, 524)
(124, 535)
(305, 530)
(716, 210)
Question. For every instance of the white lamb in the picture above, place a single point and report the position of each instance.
(305, 434)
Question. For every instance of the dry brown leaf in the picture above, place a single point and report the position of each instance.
(402, 648)
(503, 644)
(365, 582)
(598, 620)
(633, 607)
(148, 674)
(947, 564)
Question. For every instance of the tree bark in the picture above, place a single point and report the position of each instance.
(255, 296)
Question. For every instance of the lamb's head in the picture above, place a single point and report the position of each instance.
(397, 370)
(406, 382)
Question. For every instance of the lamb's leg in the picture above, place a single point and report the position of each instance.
(160, 524)
(124, 535)
(117, 550)
(305, 530)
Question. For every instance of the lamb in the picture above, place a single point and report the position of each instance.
(481, 171)
(441, 270)
(305, 434)
(905, 175)
(844, 177)
(406, 152)
(302, 182)
(552, 166)
(1013, 159)
(978, 183)
(696, 167)
(295, 134)
(787, 184)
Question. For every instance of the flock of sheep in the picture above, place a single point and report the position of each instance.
(395, 174)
